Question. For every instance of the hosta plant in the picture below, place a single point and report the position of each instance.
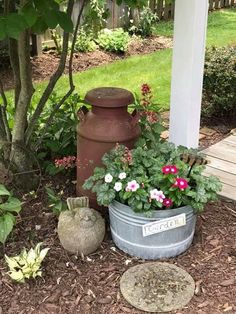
(27, 264)
(9, 207)
(149, 179)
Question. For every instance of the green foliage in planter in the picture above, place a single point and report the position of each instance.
(219, 85)
(149, 179)
(27, 264)
(116, 40)
(85, 42)
(9, 206)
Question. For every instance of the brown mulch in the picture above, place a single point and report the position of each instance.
(46, 64)
(71, 284)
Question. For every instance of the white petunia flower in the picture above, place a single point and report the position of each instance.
(108, 178)
(122, 175)
(118, 186)
(157, 195)
(132, 186)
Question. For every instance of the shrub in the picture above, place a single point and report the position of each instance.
(85, 42)
(219, 85)
(145, 24)
(60, 136)
(116, 40)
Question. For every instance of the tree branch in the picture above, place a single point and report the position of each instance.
(72, 87)
(14, 59)
(5, 127)
(26, 92)
(53, 80)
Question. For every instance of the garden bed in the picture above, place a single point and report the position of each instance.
(73, 285)
(43, 66)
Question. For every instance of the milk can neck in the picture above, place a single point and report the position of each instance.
(113, 110)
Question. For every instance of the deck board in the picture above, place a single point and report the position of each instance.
(222, 163)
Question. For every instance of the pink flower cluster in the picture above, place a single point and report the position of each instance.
(181, 183)
(66, 162)
(169, 170)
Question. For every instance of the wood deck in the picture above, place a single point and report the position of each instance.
(222, 163)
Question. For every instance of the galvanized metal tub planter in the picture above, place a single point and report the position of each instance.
(167, 233)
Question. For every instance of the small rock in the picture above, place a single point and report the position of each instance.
(228, 282)
(105, 300)
(1, 310)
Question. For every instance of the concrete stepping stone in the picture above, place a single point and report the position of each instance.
(157, 287)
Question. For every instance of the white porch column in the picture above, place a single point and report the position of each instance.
(187, 71)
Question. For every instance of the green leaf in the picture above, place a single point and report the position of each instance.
(12, 205)
(51, 18)
(41, 5)
(3, 190)
(6, 225)
(40, 26)
(65, 22)
(29, 13)
(15, 24)
(88, 184)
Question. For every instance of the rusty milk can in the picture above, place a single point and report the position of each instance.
(107, 123)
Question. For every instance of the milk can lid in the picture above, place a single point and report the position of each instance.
(109, 97)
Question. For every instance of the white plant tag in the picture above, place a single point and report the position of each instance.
(164, 225)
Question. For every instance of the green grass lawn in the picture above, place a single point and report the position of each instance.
(221, 30)
(155, 68)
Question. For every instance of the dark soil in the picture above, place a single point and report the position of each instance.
(71, 284)
(46, 64)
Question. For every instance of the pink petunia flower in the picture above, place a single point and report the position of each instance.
(181, 183)
(169, 169)
(132, 186)
(157, 195)
(173, 169)
(167, 202)
(166, 169)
